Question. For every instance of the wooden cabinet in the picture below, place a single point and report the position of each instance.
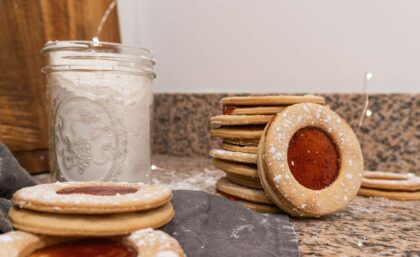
(25, 26)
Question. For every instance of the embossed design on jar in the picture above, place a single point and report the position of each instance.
(86, 140)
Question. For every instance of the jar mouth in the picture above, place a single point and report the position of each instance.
(97, 56)
(98, 47)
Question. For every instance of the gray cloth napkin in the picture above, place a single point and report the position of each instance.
(5, 205)
(12, 177)
(205, 224)
(210, 225)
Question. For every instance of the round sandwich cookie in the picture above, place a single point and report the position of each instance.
(239, 148)
(387, 175)
(92, 197)
(141, 243)
(229, 167)
(238, 132)
(242, 142)
(391, 181)
(244, 181)
(234, 156)
(234, 120)
(309, 161)
(253, 195)
(390, 185)
(252, 110)
(272, 100)
(394, 195)
(96, 225)
(258, 207)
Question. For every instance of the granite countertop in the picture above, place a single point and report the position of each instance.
(367, 227)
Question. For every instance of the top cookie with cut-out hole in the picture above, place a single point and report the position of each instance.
(91, 197)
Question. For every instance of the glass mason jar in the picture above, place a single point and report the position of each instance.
(99, 100)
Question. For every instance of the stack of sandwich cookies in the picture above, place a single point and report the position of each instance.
(90, 219)
(309, 161)
(241, 127)
(244, 118)
(390, 185)
(90, 208)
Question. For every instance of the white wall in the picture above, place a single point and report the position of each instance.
(277, 45)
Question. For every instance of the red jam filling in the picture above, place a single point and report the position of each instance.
(246, 127)
(228, 196)
(313, 158)
(228, 109)
(97, 190)
(87, 248)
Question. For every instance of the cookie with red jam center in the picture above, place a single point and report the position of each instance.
(141, 243)
(86, 209)
(309, 161)
(91, 197)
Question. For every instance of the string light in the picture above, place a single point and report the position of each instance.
(95, 41)
(366, 111)
(111, 6)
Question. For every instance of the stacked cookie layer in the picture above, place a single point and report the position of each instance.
(390, 185)
(241, 127)
(95, 209)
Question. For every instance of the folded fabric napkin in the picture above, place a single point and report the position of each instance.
(209, 225)
(12, 177)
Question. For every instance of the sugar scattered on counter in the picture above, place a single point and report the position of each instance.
(240, 230)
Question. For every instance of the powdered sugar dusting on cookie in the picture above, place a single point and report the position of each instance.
(279, 156)
(154, 242)
(277, 178)
(7, 238)
(11, 243)
(272, 149)
(167, 254)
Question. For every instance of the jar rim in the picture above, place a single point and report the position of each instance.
(100, 47)
(114, 57)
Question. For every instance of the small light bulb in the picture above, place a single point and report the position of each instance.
(369, 76)
(368, 113)
(95, 41)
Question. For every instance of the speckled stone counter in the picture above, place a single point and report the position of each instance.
(390, 137)
(367, 227)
